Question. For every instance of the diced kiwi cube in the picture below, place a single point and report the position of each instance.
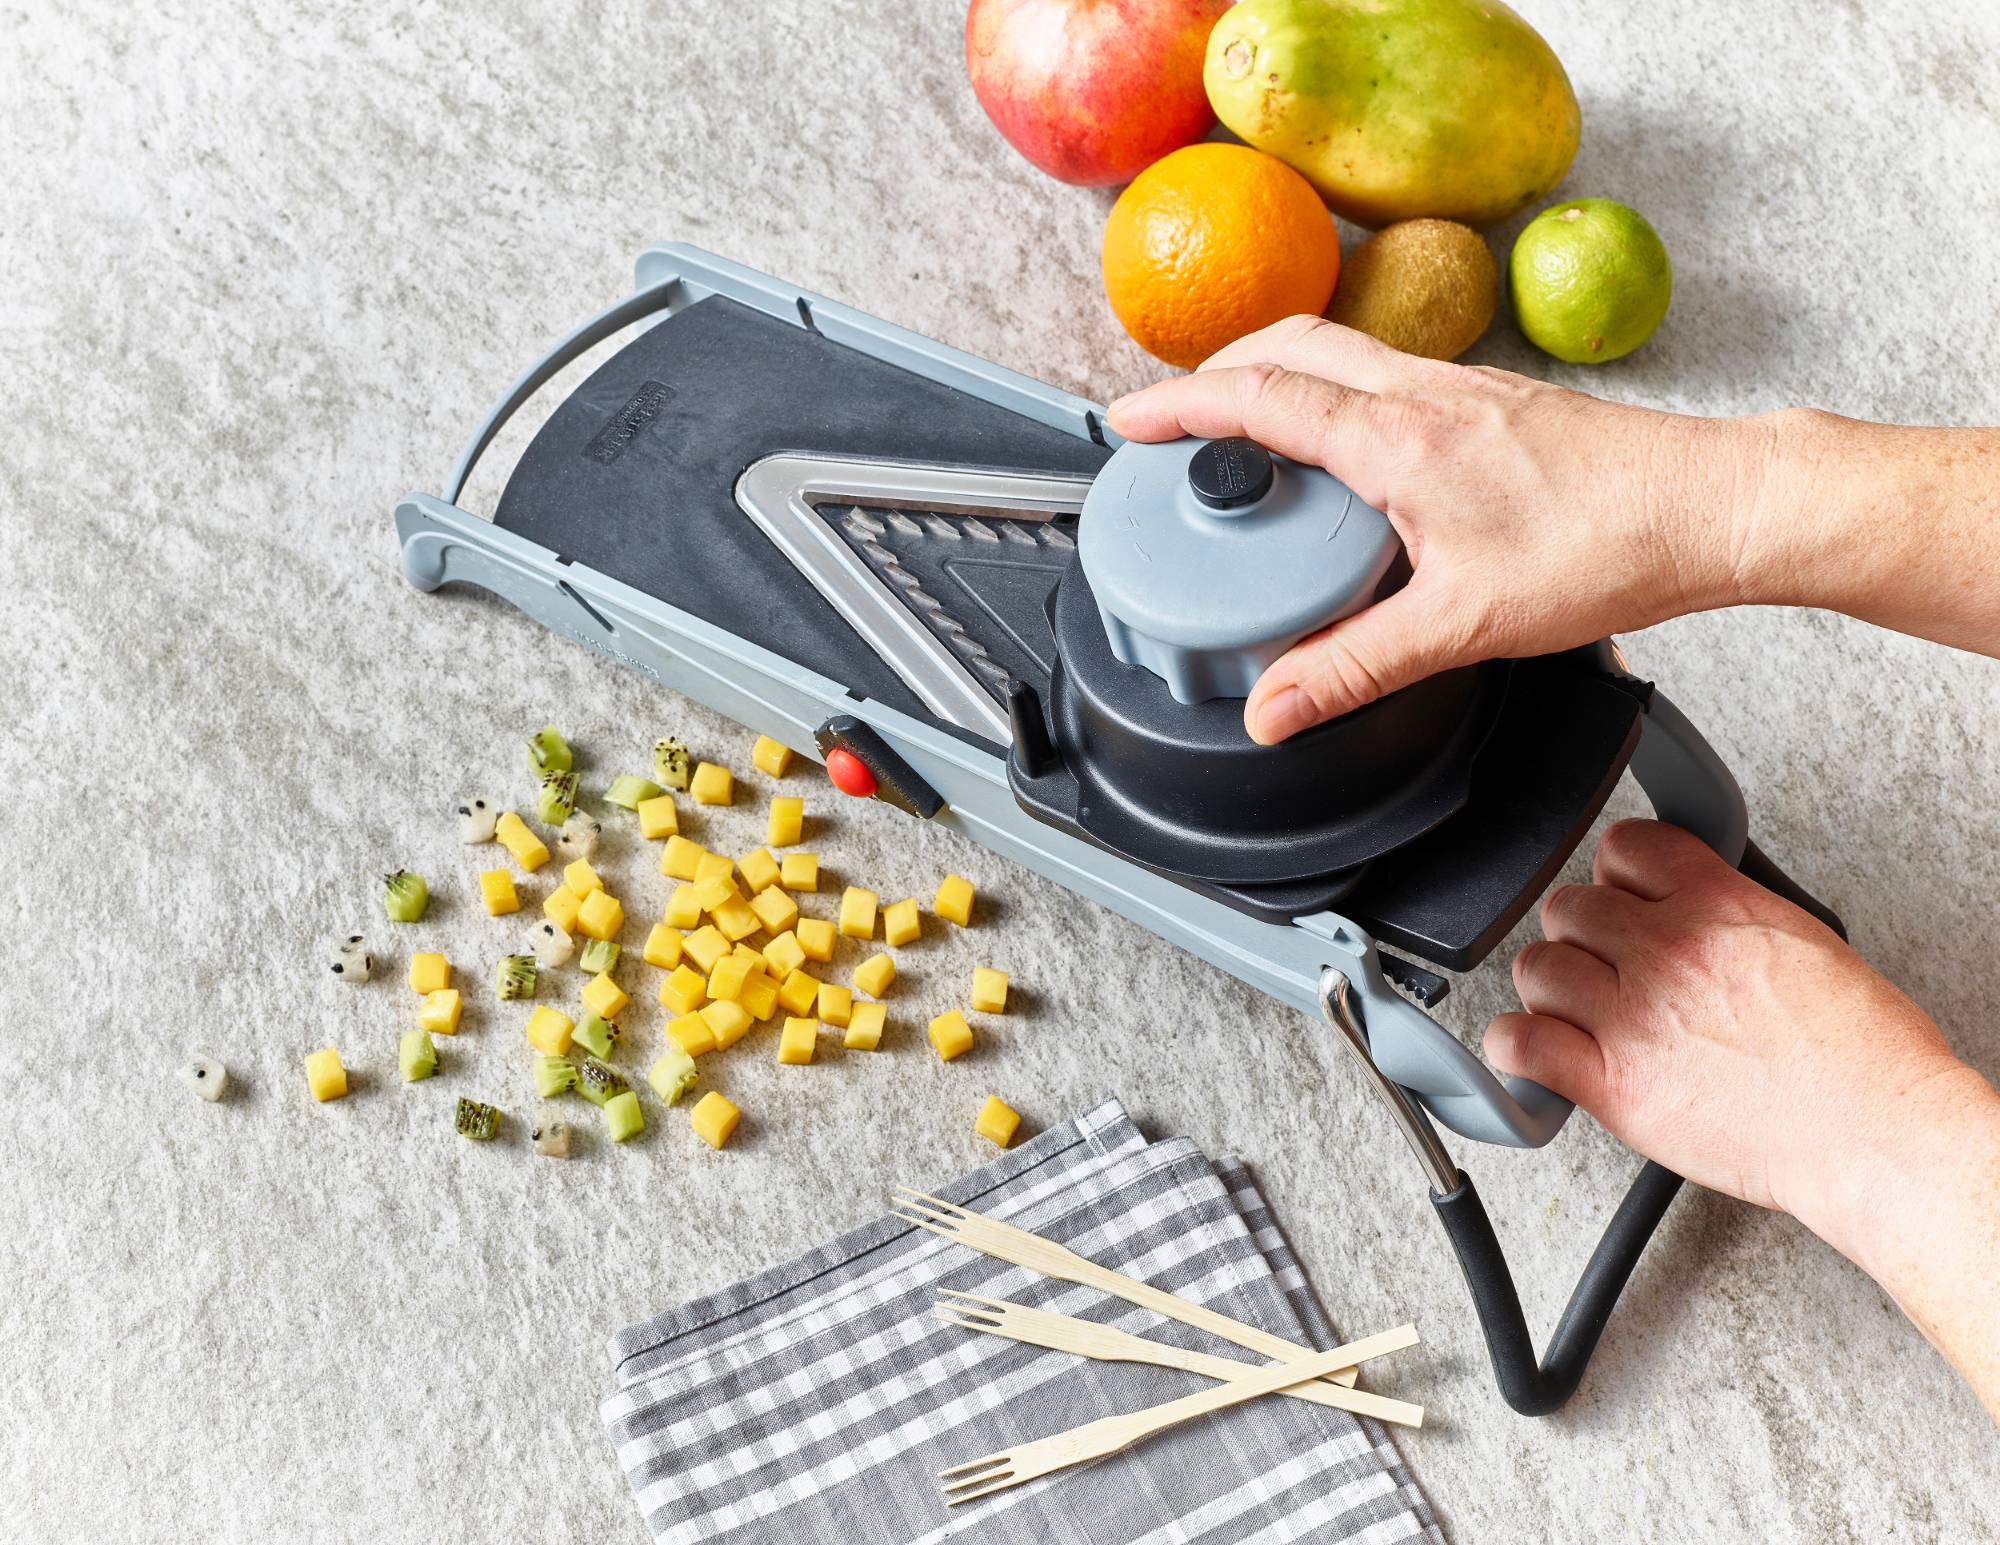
(673, 1073)
(476, 1121)
(597, 1080)
(671, 764)
(549, 752)
(404, 896)
(595, 1035)
(629, 793)
(599, 955)
(515, 976)
(554, 1076)
(623, 1116)
(417, 1057)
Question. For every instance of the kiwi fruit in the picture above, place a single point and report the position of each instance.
(549, 752)
(404, 896)
(599, 955)
(352, 962)
(597, 1080)
(623, 1116)
(417, 1057)
(551, 1138)
(205, 1076)
(554, 1076)
(552, 946)
(476, 819)
(578, 838)
(596, 1035)
(476, 1121)
(630, 793)
(515, 976)
(671, 764)
(1426, 287)
(555, 798)
(672, 1075)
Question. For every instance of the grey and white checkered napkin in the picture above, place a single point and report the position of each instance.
(817, 1401)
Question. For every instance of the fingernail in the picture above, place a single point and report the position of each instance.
(1284, 715)
(1119, 402)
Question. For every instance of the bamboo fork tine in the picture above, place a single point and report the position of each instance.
(933, 1201)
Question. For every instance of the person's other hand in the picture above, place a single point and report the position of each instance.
(1536, 518)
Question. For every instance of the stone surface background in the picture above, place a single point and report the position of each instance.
(262, 268)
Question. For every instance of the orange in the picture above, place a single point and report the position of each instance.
(1212, 242)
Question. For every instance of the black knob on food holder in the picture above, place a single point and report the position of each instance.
(1227, 473)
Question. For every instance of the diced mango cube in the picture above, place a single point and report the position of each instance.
(799, 992)
(712, 784)
(784, 954)
(581, 879)
(997, 1121)
(604, 997)
(705, 947)
(725, 982)
(864, 1027)
(788, 821)
(714, 1119)
(496, 890)
(759, 996)
(715, 866)
(836, 1004)
(815, 936)
(727, 1021)
(658, 817)
(796, 1041)
(953, 901)
(529, 851)
(799, 872)
(857, 913)
(989, 990)
(874, 974)
(951, 1035)
(900, 924)
(759, 869)
(601, 916)
(681, 858)
(663, 947)
(561, 906)
(549, 1031)
(684, 990)
(429, 973)
(749, 954)
(439, 1012)
(736, 919)
(768, 756)
(684, 907)
(325, 1077)
(691, 1034)
(715, 891)
(774, 909)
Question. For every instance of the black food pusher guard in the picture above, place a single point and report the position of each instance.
(941, 576)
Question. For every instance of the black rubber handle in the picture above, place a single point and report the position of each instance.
(1531, 1386)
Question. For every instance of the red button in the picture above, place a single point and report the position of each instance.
(849, 773)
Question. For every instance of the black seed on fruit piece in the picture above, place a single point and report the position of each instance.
(201, 1072)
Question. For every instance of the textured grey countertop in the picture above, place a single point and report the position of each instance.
(264, 267)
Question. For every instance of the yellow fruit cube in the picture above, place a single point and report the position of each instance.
(496, 889)
(951, 1035)
(768, 756)
(874, 974)
(658, 817)
(684, 990)
(684, 907)
(715, 866)
(953, 901)
(705, 947)
(581, 879)
(727, 1022)
(429, 973)
(900, 924)
(736, 919)
(799, 872)
(784, 954)
(604, 997)
(725, 982)
(815, 936)
(749, 954)
(663, 947)
(548, 1031)
(712, 785)
(601, 916)
(759, 869)
(857, 913)
(864, 1027)
(681, 858)
(325, 1076)
(759, 996)
(691, 1034)
(714, 1119)
(997, 1121)
(799, 992)
(715, 891)
(774, 909)
(989, 990)
(439, 1012)
(561, 908)
(796, 1041)
(529, 851)
(836, 1004)
(788, 821)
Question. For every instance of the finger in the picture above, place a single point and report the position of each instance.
(1555, 1054)
(1321, 348)
(1651, 859)
(1356, 660)
(1599, 918)
(1561, 981)
(1300, 416)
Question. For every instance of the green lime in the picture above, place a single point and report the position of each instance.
(1591, 280)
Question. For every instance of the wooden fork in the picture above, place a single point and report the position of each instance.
(1107, 1343)
(1018, 1247)
(1109, 1434)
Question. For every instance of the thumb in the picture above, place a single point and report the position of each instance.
(1553, 1052)
(1352, 662)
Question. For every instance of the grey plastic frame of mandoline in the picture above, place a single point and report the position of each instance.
(443, 544)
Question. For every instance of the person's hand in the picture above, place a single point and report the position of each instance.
(1536, 518)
